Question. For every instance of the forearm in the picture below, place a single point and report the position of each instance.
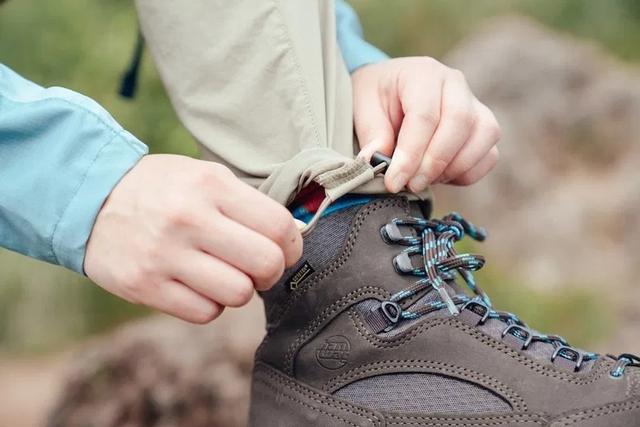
(60, 156)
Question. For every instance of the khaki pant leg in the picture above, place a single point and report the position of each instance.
(261, 85)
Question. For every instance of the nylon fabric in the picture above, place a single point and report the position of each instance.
(320, 248)
(427, 393)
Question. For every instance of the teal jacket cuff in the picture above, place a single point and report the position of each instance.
(61, 154)
(356, 52)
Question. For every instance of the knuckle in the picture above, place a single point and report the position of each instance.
(490, 124)
(297, 254)
(494, 130)
(429, 118)
(462, 166)
(272, 264)
(178, 216)
(134, 286)
(461, 116)
(468, 179)
(203, 316)
(436, 165)
(220, 171)
(281, 226)
(457, 74)
(430, 62)
(242, 292)
(213, 175)
(495, 156)
(456, 170)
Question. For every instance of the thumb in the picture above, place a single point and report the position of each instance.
(373, 129)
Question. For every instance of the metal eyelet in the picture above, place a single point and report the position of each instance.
(391, 311)
(520, 333)
(570, 354)
(402, 262)
(391, 233)
(477, 308)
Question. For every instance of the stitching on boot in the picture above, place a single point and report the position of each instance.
(262, 369)
(332, 268)
(344, 255)
(633, 385)
(596, 372)
(484, 421)
(279, 392)
(588, 414)
(326, 314)
(515, 400)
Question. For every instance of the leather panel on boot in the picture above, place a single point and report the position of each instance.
(464, 352)
(362, 270)
(279, 401)
(621, 414)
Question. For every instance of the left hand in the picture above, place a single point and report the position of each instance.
(425, 114)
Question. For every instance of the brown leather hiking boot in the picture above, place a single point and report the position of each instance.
(371, 328)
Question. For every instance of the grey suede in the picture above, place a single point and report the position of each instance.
(317, 343)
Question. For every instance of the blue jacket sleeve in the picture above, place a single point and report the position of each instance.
(61, 154)
(356, 52)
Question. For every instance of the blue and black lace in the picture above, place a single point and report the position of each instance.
(432, 240)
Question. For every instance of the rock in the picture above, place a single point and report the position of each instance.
(162, 372)
(562, 205)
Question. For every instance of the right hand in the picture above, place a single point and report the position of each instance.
(188, 238)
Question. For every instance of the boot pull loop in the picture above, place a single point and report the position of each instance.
(338, 182)
(378, 159)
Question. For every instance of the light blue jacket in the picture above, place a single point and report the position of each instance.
(61, 154)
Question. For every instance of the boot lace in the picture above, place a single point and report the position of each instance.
(432, 240)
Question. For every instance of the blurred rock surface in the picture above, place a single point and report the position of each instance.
(563, 203)
(162, 372)
(563, 207)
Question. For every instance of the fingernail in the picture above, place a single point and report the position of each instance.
(398, 182)
(371, 147)
(418, 183)
(365, 154)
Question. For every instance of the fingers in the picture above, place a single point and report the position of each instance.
(243, 248)
(482, 168)
(373, 124)
(455, 127)
(420, 100)
(485, 136)
(214, 279)
(374, 134)
(176, 299)
(254, 210)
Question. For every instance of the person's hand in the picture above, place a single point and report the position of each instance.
(425, 114)
(187, 237)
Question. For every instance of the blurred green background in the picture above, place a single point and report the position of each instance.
(85, 46)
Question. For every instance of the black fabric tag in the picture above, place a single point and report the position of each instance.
(296, 279)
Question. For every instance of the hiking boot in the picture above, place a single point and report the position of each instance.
(372, 328)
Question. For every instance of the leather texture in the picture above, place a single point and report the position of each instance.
(317, 343)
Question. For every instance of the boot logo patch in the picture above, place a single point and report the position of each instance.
(334, 352)
(299, 276)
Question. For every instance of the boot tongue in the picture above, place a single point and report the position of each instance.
(423, 209)
(539, 350)
(420, 208)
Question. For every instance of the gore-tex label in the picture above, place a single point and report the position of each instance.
(299, 276)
